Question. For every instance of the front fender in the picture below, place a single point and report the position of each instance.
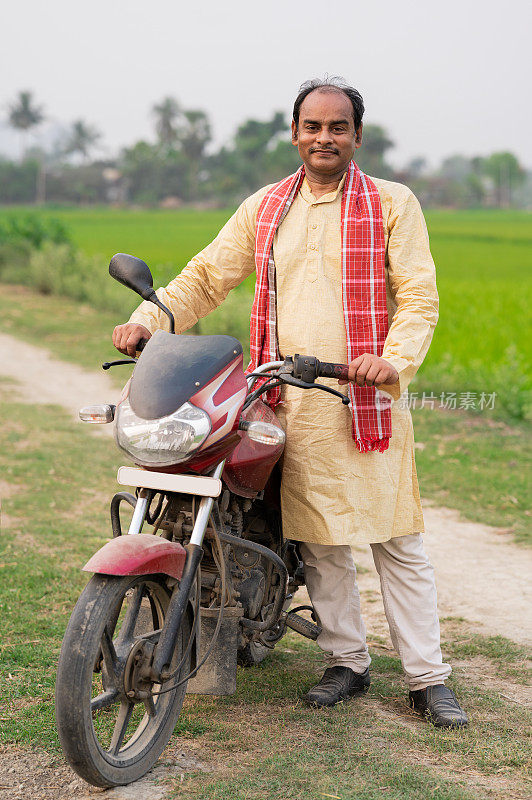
(139, 554)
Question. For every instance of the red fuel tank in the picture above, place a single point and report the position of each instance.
(249, 466)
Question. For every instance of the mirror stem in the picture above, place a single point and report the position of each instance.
(154, 299)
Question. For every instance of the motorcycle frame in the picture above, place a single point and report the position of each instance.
(180, 598)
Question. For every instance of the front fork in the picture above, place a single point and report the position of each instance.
(181, 594)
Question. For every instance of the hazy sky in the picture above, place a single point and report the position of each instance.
(442, 77)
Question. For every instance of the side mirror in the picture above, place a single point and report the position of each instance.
(133, 273)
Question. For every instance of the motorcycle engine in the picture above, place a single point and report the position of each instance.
(251, 590)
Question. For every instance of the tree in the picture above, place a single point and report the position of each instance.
(151, 173)
(255, 158)
(371, 156)
(194, 135)
(82, 139)
(281, 160)
(416, 166)
(254, 137)
(166, 114)
(24, 114)
(17, 180)
(456, 167)
(506, 174)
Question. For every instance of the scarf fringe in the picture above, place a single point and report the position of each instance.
(368, 445)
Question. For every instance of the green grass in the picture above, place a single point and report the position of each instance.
(159, 237)
(480, 224)
(480, 343)
(477, 465)
(55, 482)
(508, 659)
(261, 742)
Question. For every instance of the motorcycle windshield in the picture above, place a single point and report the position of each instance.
(173, 368)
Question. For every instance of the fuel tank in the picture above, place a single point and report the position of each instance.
(248, 468)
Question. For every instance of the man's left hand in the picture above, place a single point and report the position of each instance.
(371, 370)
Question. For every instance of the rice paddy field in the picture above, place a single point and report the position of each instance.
(483, 260)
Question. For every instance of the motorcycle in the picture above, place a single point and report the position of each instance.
(210, 586)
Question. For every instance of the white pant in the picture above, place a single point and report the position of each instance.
(409, 595)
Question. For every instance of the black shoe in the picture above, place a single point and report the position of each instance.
(439, 705)
(337, 684)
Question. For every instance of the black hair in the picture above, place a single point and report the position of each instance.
(330, 84)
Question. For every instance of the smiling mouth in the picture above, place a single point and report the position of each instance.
(326, 152)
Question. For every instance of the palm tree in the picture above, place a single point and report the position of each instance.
(194, 136)
(82, 139)
(166, 114)
(24, 115)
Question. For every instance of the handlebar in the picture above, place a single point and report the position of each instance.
(308, 368)
(300, 371)
(329, 370)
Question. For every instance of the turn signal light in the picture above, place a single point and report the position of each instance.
(98, 414)
(263, 432)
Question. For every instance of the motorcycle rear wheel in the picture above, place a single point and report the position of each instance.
(109, 739)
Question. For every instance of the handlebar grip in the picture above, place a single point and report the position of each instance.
(141, 344)
(327, 370)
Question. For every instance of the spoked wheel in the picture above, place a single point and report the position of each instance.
(113, 722)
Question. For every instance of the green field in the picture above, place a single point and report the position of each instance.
(483, 261)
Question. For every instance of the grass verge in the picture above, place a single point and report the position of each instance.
(477, 465)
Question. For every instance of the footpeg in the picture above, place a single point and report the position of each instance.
(302, 625)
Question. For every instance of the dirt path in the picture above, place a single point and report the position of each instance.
(43, 379)
(481, 576)
(37, 775)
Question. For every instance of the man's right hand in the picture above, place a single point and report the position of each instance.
(126, 337)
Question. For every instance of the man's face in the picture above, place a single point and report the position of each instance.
(326, 137)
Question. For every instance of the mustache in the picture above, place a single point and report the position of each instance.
(324, 150)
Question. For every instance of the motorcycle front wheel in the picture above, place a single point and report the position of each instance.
(112, 736)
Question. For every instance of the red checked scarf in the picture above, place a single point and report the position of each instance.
(363, 288)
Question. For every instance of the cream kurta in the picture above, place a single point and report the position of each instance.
(331, 492)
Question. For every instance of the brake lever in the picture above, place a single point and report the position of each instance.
(109, 364)
(304, 385)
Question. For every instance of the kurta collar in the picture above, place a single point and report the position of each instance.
(308, 197)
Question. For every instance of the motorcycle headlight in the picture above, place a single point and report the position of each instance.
(161, 442)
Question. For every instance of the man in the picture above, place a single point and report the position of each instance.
(344, 273)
